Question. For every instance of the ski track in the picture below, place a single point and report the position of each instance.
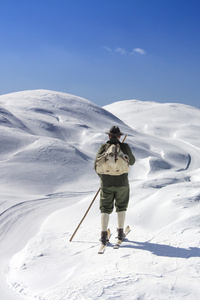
(160, 257)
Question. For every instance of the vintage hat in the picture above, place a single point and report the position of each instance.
(114, 131)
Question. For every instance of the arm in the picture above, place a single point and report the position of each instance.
(127, 150)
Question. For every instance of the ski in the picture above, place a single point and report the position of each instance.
(103, 247)
(119, 242)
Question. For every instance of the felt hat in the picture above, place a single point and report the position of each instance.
(114, 131)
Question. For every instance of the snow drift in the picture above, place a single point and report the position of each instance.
(48, 144)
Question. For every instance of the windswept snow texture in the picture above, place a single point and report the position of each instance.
(48, 145)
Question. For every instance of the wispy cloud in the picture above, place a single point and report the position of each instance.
(107, 48)
(123, 51)
(139, 51)
(118, 50)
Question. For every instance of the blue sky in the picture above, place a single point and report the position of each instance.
(102, 50)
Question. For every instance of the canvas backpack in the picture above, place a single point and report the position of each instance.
(113, 161)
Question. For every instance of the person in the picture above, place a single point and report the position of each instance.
(114, 188)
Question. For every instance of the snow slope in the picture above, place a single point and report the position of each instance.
(48, 144)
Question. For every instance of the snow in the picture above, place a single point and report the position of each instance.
(48, 145)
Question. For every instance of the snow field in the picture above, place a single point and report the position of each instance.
(49, 144)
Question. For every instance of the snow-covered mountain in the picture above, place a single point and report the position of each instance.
(48, 144)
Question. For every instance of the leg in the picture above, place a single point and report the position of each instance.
(106, 207)
(107, 200)
(122, 199)
(121, 218)
(104, 221)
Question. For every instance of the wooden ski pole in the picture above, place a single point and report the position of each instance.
(85, 215)
(124, 138)
(89, 207)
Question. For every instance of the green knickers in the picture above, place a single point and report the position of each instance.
(110, 194)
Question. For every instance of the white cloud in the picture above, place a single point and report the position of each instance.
(123, 51)
(120, 51)
(139, 51)
(108, 49)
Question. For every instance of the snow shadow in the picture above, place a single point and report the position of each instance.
(164, 250)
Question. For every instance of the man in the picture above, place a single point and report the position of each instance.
(114, 187)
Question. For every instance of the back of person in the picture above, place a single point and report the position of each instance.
(114, 187)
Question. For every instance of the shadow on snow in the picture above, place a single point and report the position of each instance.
(164, 250)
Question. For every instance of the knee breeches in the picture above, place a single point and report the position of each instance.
(110, 196)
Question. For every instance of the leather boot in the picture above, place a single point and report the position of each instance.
(103, 239)
(121, 234)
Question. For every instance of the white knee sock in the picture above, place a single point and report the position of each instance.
(121, 218)
(104, 221)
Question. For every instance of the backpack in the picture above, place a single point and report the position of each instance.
(113, 161)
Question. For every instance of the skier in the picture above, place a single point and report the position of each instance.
(114, 187)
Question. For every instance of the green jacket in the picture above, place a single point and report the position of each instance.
(117, 180)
